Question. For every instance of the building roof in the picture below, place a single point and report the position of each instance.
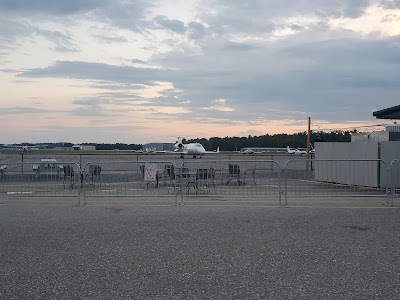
(388, 113)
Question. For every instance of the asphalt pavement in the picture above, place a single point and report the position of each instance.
(192, 252)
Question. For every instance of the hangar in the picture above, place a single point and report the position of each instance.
(391, 113)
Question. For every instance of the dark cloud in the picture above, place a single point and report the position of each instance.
(11, 32)
(259, 16)
(18, 110)
(173, 25)
(119, 13)
(196, 30)
(96, 71)
(391, 3)
(138, 61)
(44, 6)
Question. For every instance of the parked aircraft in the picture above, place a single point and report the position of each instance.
(295, 151)
(247, 151)
(251, 151)
(195, 149)
(300, 151)
(150, 150)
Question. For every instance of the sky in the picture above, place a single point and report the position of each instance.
(124, 71)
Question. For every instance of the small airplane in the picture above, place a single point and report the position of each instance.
(195, 149)
(150, 150)
(251, 151)
(300, 151)
(247, 151)
(295, 151)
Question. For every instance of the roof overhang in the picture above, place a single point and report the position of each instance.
(388, 113)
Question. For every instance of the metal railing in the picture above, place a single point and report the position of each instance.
(129, 179)
(335, 178)
(394, 180)
(230, 181)
(40, 179)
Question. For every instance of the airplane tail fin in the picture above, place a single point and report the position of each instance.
(217, 150)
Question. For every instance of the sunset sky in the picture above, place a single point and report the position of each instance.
(120, 71)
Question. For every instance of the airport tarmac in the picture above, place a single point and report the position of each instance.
(165, 252)
(82, 159)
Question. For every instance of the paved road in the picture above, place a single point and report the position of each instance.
(163, 252)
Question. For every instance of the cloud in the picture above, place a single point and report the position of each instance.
(173, 25)
(18, 110)
(226, 63)
(110, 39)
(96, 71)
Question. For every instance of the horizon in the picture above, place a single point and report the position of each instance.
(186, 139)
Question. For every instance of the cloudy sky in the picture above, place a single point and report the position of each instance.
(137, 71)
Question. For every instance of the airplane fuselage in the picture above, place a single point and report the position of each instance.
(194, 149)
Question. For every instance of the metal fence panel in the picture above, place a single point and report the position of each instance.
(40, 179)
(334, 178)
(128, 179)
(228, 180)
(247, 181)
(394, 180)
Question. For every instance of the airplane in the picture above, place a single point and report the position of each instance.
(295, 151)
(150, 150)
(251, 151)
(299, 151)
(247, 151)
(195, 149)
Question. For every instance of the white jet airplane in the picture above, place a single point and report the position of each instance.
(195, 149)
(295, 151)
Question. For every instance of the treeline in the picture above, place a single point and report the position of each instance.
(297, 140)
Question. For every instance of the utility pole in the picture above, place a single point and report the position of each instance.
(308, 141)
(308, 137)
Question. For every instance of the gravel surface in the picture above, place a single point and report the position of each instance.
(117, 252)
